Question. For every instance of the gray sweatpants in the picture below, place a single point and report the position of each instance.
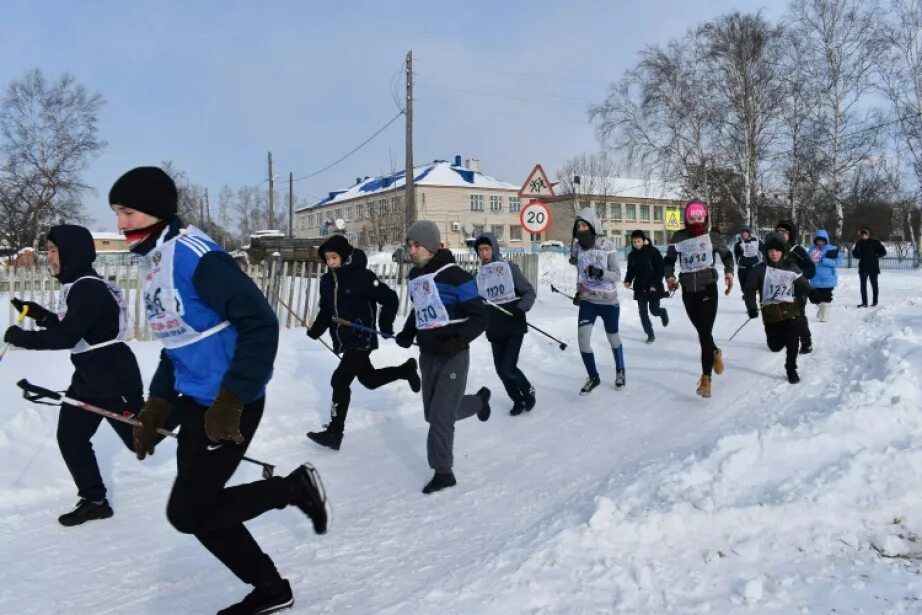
(444, 402)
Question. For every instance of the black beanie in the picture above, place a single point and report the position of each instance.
(638, 234)
(775, 242)
(146, 189)
(338, 244)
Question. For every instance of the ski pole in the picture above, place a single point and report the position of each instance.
(562, 345)
(301, 320)
(356, 325)
(554, 289)
(35, 394)
(740, 329)
(19, 321)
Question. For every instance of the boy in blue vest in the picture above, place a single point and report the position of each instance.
(220, 339)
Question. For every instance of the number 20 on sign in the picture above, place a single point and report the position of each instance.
(535, 217)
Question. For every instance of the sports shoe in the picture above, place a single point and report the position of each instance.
(664, 318)
(704, 386)
(86, 510)
(591, 383)
(793, 378)
(329, 437)
(266, 599)
(517, 409)
(440, 480)
(530, 399)
(619, 380)
(718, 361)
(806, 347)
(650, 338)
(411, 368)
(484, 413)
(309, 495)
(862, 305)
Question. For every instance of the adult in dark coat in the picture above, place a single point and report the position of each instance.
(868, 251)
(645, 276)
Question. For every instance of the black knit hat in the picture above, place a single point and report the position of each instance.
(775, 242)
(338, 244)
(638, 234)
(146, 189)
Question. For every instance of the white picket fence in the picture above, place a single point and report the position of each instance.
(292, 288)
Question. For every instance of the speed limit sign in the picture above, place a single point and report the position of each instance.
(535, 217)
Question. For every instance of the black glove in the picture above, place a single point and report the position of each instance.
(405, 339)
(450, 345)
(314, 332)
(594, 272)
(576, 299)
(15, 336)
(152, 416)
(222, 419)
(35, 310)
(753, 313)
(386, 331)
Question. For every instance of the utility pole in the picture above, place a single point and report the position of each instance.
(291, 205)
(271, 193)
(410, 188)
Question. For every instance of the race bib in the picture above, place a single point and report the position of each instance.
(695, 254)
(495, 283)
(430, 311)
(593, 258)
(750, 248)
(123, 316)
(778, 286)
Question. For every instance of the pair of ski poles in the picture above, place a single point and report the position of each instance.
(37, 394)
(19, 321)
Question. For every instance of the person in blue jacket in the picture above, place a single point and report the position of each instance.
(351, 292)
(827, 259)
(220, 338)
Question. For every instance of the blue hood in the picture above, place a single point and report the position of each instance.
(821, 234)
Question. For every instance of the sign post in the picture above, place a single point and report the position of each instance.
(535, 216)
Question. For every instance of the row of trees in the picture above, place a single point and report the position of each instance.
(816, 114)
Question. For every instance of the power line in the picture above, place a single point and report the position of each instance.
(514, 72)
(552, 99)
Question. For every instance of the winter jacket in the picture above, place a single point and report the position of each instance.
(353, 292)
(503, 325)
(696, 281)
(604, 254)
(645, 270)
(774, 312)
(797, 254)
(458, 292)
(869, 252)
(739, 249)
(213, 290)
(92, 314)
(826, 259)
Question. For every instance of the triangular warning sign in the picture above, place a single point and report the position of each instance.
(537, 185)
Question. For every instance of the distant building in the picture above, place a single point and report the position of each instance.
(109, 242)
(455, 196)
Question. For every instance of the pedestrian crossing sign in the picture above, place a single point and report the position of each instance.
(673, 220)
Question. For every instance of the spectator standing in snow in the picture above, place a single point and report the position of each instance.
(220, 339)
(868, 251)
(826, 257)
(695, 250)
(645, 276)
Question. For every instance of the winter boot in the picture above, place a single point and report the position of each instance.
(84, 511)
(484, 413)
(530, 399)
(806, 347)
(412, 375)
(330, 437)
(619, 380)
(822, 312)
(309, 495)
(517, 409)
(264, 599)
(704, 386)
(718, 361)
(793, 378)
(664, 317)
(441, 480)
(650, 338)
(591, 383)
(862, 305)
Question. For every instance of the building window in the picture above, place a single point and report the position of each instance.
(499, 231)
(515, 204)
(395, 205)
(630, 212)
(382, 207)
(348, 214)
(478, 230)
(515, 232)
(496, 203)
(583, 205)
(645, 213)
(627, 238)
(476, 202)
(657, 213)
(600, 210)
(615, 209)
(659, 238)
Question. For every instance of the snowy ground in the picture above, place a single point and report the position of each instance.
(767, 498)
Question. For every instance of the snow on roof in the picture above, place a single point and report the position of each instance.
(435, 173)
(107, 235)
(627, 187)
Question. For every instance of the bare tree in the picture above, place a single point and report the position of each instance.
(593, 170)
(249, 205)
(48, 135)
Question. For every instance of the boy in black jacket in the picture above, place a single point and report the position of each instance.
(91, 322)
(645, 276)
(779, 283)
(748, 253)
(797, 255)
(448, 314)
(349, 291)
(502, 282)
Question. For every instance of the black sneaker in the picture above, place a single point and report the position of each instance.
(266, 599)
(650, 338)
(413, 375)
(619, 380)
(440, 480)
(530, 399)
(806, 348)
(484, 413)
(310, 496)
(84, 511)
(664, 318)
(793, 378)
(591, 383)
(861, 305)
(329, 437)
(517, 409)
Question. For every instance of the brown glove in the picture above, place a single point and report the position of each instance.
(152, 417)
(222, 420)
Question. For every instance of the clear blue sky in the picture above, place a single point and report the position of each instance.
(213, 86)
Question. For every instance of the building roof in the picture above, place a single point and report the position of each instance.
(626, 187)
(435, 173)
(107, 235)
